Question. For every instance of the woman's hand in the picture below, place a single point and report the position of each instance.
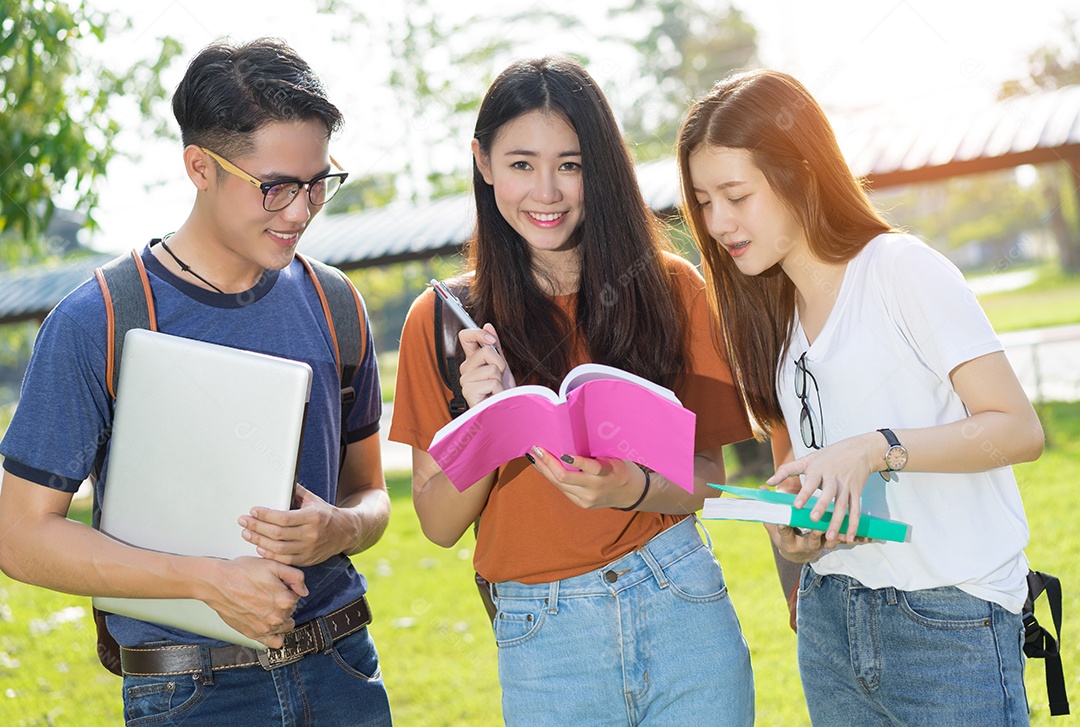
(592, 483)
(840, 472)
(484, 371)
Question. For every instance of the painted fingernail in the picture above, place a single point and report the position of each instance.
(567, 458)
(538, 452)
(530, 458)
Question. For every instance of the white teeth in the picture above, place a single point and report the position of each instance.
(284, 236)
(546, 217)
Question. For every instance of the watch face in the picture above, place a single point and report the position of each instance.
(896, 458)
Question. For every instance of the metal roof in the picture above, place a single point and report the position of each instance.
(1031, 129)
(31, 292)
(1034, 129)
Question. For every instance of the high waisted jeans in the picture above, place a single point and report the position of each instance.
(650, 639)
(883, 656)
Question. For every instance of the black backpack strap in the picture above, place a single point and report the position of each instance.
(344, 313)
(1040, 644)
(128, 304)
(448, 352)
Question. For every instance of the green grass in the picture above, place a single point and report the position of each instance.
(438, 655)
(1052, 300)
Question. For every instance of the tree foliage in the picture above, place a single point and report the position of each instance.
(59, 115)
(688, 46)
(1052, 66)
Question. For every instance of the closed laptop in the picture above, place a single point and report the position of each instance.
(201, 434)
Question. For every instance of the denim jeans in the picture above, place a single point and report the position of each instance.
(883, 656)
(650, 639)
(340, 686)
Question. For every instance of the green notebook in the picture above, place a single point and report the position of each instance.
(769, 506)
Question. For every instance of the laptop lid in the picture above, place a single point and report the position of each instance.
(201, 434)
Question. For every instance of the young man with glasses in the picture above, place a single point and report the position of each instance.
(255, 124)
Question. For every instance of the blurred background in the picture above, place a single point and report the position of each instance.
(963, 118)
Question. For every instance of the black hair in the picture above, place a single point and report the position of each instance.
(230, 91)
(626, 313)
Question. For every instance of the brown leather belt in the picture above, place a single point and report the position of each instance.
(300, 642)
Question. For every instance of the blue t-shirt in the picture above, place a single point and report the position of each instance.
(62, 424)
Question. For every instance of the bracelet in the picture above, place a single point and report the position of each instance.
(643, 492)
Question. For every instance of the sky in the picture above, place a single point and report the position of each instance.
(912, 58)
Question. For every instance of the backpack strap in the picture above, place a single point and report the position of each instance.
(448, 352)
(345, 317)
(128, 304)
(1040, 644)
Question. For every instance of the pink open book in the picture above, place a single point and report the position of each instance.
(600, 411)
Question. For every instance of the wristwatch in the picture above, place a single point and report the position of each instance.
(896, 456)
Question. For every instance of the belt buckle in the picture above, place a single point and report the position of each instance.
(289, 653)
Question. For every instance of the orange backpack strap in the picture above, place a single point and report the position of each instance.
(128, 304)
(344, 313)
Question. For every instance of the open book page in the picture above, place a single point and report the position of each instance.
(607, 413)
(593, 371)
(499, 429)
(616, 417)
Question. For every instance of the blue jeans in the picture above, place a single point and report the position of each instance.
(340, 686)
(884, 656)
(651, 638)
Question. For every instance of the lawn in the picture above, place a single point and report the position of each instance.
(1052, 300)
(438, 656)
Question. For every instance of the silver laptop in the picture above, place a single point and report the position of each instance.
(201, 434)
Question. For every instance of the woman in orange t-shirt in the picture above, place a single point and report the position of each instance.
(611, 607)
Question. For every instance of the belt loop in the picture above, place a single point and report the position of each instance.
(704, 531)
(206, 665)
(553, 597)
(654, 566)
(324, 639)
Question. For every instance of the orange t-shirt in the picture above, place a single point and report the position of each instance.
(529, 531)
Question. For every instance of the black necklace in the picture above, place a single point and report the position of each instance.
(187, 268)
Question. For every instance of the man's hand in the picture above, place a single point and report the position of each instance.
(307, 535)
(257, 597)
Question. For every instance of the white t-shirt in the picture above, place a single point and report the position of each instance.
(903, 320)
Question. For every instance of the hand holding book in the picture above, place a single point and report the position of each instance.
(778, 508)
(600, 411)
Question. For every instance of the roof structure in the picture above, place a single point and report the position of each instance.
(1034, 129)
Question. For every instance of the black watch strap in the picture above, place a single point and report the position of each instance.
(890, 437)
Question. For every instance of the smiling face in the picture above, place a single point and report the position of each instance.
(534, 167)
(741, 211)
(240, 227)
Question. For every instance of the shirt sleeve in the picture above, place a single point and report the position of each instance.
(64, 415)
(707, 387)
(932, 306)
(363, 417)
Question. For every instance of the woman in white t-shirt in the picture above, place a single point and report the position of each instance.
(867, 346)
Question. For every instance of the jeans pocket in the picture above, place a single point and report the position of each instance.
(154, 700)
(808, 581)
(517, 621)
(946, 608)
(697, 577)
(357, 656)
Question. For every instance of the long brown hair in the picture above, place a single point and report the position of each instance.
(626, 311)
(772, 116)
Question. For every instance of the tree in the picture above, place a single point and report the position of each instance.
(60, 113)
(1052, 66)
(689, 46)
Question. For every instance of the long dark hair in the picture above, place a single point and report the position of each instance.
(626, 313)
(771, 115)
